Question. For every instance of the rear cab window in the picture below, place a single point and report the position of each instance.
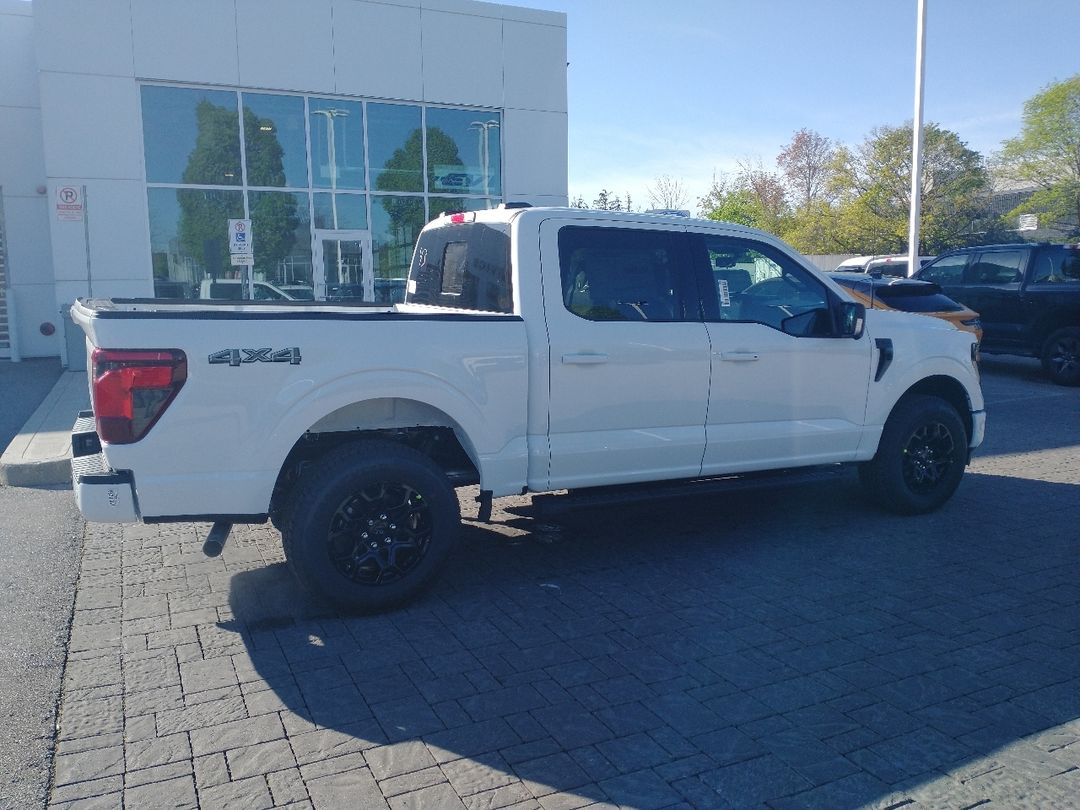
(1057, 264)
(463, 266)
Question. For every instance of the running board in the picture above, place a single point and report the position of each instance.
(551, 504)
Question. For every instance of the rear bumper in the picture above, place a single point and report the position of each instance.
(102, 495)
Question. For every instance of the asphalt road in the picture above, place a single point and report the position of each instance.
(40, 535)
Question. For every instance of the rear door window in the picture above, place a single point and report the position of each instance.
(999, 267)
(948, 270)
(464, 266)
(623, 274)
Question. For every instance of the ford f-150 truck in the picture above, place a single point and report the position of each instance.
(538, 349)
(1027, 296)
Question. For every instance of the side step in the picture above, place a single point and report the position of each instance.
(549, 504)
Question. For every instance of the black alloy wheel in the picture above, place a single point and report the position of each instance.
(370, 524)
(380, 534)
(929, 454)
(920, 458)
(1061, 358)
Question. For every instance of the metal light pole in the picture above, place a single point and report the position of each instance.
(917, 142)
(484, 149)
(331, 151)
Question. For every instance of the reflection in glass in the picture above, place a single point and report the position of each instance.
(274, 140)
(448, 205)
(280, 230)
(464, 151)
(190, 136)
(340, 211)
(395, 147)
(189, 238)
(337, 143)
(343, 269)
(395, 224)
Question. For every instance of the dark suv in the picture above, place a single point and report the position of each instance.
(1027, 296)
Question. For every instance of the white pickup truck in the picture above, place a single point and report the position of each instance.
(538, 349)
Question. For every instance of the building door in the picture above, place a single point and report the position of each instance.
(342, 266)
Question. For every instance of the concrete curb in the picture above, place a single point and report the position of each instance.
(40, 454)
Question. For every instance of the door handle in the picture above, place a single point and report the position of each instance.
(739, 357)
(584, 359)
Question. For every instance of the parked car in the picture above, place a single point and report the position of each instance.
(232, 289)
(1027, 296)
(886, 265)
(299, 292)
(537, 350)
(909, 295)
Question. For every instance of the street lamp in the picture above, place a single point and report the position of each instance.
(331, 150)
(483, 149)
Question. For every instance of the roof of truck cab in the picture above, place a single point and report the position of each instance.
(590, 215)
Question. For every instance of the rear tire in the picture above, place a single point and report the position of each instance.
(369, 526)
(1061, 356)
(921, 457)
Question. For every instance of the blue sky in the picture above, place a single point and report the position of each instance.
(683, 87)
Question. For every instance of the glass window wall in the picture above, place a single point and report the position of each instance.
(374, 169)
(395, 147)
(464, 155)
(337, 143)
(191, 136)
(275, 147)
(189, 238)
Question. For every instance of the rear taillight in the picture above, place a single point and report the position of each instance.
(133, 388)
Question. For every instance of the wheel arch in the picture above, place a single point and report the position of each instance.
(947, 388)
(409, 422)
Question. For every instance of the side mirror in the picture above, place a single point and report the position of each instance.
(851, 319)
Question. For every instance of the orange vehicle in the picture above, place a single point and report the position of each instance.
(909, 295)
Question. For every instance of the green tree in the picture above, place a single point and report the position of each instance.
(807, 163)
(873, 186)
(404, 172)
(607, 201)
(1046, 154)
(754, 197)
(204, 215)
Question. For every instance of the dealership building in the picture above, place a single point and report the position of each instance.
(257, 148)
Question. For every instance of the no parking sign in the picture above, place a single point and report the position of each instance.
(241, 246)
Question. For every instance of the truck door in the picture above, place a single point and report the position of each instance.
(785, 392)
(629, 355)
(991, 287)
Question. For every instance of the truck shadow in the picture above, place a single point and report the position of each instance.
(791, 646)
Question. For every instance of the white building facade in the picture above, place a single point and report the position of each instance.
(132, 132)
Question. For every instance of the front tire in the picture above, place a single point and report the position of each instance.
(369, 526)
(921, 457)
(1061, 356)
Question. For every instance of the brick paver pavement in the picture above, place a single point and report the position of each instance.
(790, 648)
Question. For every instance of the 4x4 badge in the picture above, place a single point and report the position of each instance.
(235, 357)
